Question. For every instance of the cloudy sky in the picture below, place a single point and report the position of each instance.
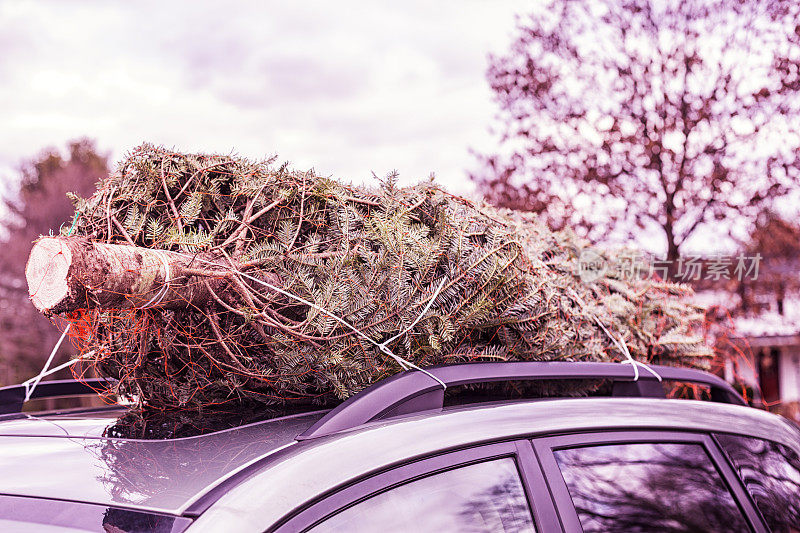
(345, 87)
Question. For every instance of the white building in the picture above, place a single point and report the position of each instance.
(769, 344)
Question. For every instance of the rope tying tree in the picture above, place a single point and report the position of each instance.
(160, 279)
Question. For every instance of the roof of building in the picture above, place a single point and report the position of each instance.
(767, 323)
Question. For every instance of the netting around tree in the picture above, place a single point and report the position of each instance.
(375, 257)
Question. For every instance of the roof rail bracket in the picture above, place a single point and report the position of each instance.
(12, 398)
(429, 400)
(412, 392)
(641, 388)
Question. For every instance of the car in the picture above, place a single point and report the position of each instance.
(398, 457)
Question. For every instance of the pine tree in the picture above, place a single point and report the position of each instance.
(206, 282)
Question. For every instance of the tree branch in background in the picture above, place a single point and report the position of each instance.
(615, 114)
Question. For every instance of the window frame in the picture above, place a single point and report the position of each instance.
(538, 497)
(732, 466)
(545, 446)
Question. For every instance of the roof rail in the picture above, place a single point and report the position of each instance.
(414, 391)
(12, 398)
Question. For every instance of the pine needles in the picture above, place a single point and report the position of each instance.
(373, 257)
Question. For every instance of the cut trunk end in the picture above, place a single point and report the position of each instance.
(47, 271)
(69, 273)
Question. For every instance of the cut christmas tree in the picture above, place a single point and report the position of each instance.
(206, 283)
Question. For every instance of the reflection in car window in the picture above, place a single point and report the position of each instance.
(648, 487)
(484, 497)
(771, 473)
(21, 513)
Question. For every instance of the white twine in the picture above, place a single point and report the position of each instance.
(44, 373)
(404, 363)
(382, 346)
(159, 296)
(30, 385)
(621, 346)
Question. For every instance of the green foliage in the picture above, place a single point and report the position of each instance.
(374, 257)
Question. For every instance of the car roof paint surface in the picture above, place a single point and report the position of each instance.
(329, 462)
(83, 423)
(66, 459)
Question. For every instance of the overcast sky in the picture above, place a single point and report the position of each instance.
(345, 87)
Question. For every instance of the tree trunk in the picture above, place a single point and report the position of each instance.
(673, 257)
(673, 251)
(69, 273)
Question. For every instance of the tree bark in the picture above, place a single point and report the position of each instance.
(69, 273)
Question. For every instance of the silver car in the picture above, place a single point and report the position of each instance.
(398, 457)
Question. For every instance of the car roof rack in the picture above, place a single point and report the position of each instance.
(415, 391)
(12, 398)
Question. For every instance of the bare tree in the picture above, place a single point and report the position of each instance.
(39, 207)
(638, 118)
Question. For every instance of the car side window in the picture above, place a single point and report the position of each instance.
(771, 473)
(482, 497)
(648, 487)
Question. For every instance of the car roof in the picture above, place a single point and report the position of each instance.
(66, 457)
(329, 462)
(47, 456)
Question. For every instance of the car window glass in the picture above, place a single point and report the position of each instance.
(771, 473)
(483, 497)
(648, 487)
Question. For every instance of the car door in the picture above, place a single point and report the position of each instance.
(487, 488)
(644, 481)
